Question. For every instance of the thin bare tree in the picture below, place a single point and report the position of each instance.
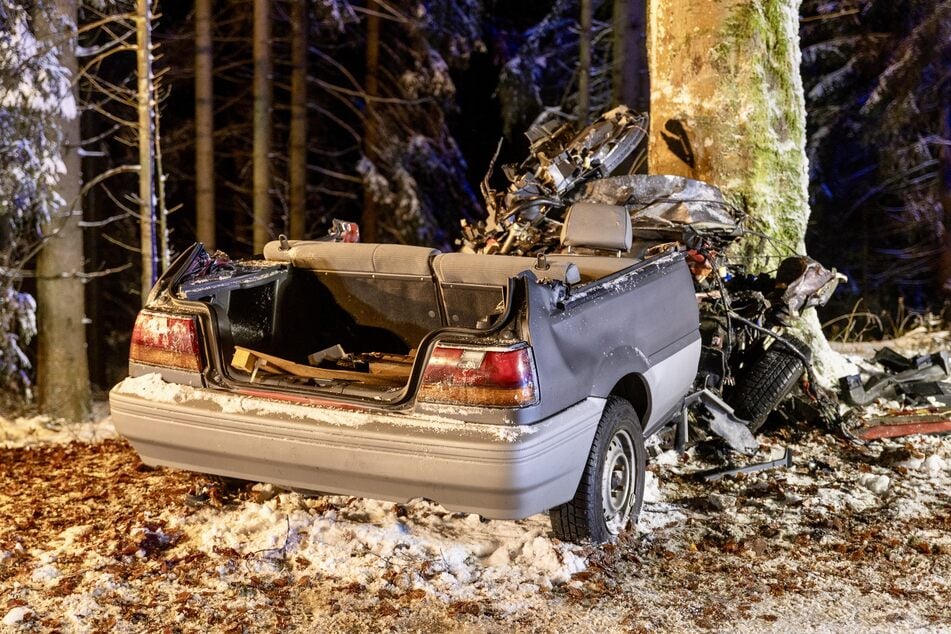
(262, 124)
(584, 62)
(297, 152)
(371, 212)
(204, 126)
(629, 78)
(146, 134)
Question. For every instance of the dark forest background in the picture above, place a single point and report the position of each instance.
(456, 76)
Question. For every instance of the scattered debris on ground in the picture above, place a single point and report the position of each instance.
(850, 536)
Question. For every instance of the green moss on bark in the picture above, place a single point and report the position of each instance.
(757, 59)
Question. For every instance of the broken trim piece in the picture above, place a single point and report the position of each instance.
(784, 462)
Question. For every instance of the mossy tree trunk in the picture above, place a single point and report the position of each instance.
(727, 107)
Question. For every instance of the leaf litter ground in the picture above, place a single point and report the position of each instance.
(851, 538)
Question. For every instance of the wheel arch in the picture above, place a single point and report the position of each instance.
(634, 388)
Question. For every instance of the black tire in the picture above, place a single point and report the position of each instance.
(765, 383)
(605, 503)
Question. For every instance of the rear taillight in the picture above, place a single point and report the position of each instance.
(494, 377)
(166, 340)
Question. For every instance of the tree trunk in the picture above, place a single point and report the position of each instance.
(262, 124)
(727, 107)
(204, 127)
(584, 64)
(629, 78)
(147, 242)
(62, 369)
(297, 153)
(370, 219)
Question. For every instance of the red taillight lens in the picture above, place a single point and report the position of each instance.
(166, 340)
(494, 377)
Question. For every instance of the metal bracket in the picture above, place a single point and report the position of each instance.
(785, 462)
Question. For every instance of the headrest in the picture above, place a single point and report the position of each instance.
(597, 226)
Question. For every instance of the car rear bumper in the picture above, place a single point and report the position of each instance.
(501, 472)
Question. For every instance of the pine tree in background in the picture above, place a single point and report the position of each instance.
(878, 93)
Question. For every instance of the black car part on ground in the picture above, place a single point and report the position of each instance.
(909, 380)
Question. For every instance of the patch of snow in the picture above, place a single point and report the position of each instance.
(668, 458)
(17, 615)
(45, 573)
(935, 464)
(652, 494)
(79, 608)
(877, 484)
(419, 545)
(30, 430)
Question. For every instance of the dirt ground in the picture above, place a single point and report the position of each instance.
(851, 538)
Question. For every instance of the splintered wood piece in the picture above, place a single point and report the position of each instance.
(389, 368)
(248, 359)
(243, 359)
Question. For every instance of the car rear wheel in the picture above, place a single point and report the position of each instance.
(611, 490)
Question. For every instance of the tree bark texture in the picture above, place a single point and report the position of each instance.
(727, 107)
(297, 152)
(262, 124)
(369, 224)
(204, 126)
(147, 224)
(62, 369)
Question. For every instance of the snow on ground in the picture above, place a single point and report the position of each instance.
(381, 545)
(26, 430)
(852, 538)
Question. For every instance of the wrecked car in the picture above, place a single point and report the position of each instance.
(492, 384)
(588, 312)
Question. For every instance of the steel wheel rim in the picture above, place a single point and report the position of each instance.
(618, 479)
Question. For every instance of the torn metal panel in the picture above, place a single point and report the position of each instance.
(662, 206)
(721, 420)
(525, 219)
(925, 368)
(903, 425)
(805, 283)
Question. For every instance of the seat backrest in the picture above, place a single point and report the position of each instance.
(479, 269)
(597, 226)
(473, 285)
(384, 286)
